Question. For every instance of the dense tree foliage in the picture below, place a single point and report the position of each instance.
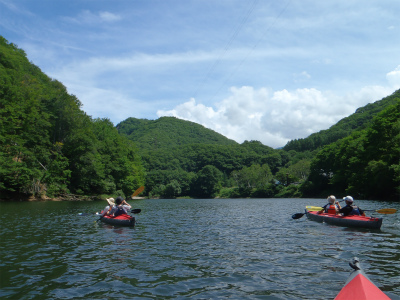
(244, 170)
(365, 164)
(167, 132)
(49, 146)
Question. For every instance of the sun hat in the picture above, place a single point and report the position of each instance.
(111, 201)
(331, 199)
(348, 198)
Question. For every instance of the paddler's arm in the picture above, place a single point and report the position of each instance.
(126, 203)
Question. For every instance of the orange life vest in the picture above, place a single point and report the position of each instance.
(331, 209)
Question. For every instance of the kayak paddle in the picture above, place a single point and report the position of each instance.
(138, 191)
(314, 208)
(386, 211)
(298, 215)
(136, 211)
(309, 208)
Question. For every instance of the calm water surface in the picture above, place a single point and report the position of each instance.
(189, 249)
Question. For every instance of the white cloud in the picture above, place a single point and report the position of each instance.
(89, 17)
(394, 77)
(275, 118)
(109, 17)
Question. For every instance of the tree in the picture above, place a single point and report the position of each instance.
(207, 182)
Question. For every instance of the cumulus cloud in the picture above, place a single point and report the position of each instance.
(394, 77)
(274, 118)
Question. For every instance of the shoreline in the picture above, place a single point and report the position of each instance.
(68, 197)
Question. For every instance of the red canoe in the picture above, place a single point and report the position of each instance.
(348, 221)
(359, 287)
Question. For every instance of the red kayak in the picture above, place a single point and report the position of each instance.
(359, 287)
(121, 220)
(348, 221)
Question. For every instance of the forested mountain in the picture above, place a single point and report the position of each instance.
(361, 119)
(169, 132)
(49, 146)
(365, 164)
(175, 154)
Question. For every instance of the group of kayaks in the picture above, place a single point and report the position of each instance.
(357, 287)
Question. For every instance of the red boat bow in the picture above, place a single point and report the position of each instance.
(359, 287)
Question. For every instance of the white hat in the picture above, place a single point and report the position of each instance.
(111, 201)
(331, 199)
(348, 198)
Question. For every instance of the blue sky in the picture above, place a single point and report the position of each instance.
(261, 70)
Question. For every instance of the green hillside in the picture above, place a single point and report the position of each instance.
(359, 120)
(169, 132)
(49, 146)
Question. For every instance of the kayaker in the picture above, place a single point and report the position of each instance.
(332, 207)
(351, 209)
(111, 204)
(121, 207)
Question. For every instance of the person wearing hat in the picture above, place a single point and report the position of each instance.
(351, 209)
(332, 207)
(121, 207)
(111, 204)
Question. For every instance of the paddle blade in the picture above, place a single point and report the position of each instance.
(136, 211)
(386, 211)
(313, 208)
(138, 191)
(298, 215)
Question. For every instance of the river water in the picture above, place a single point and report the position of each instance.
(190, 249)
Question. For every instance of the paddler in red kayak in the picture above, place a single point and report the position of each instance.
(111, 204)
(332, 207)
(350, 209)
(121, 208)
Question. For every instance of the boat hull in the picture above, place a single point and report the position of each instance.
(349, 221)
(359, 286)
(121, 220)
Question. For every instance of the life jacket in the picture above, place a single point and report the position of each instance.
(355, 211)
(120, 211)
(331, 209)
